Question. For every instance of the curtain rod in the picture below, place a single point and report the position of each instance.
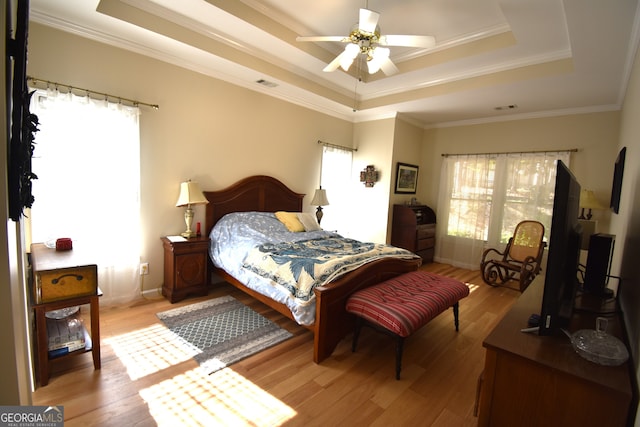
(328, 144)
(571, 150)
(135, 103)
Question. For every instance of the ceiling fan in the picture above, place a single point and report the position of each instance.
(365, 39)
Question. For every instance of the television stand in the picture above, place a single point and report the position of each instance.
(530, 379)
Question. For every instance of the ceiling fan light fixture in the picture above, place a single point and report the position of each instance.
(376, 58)
(348, 56)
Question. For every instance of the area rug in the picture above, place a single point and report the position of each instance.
(222, 331)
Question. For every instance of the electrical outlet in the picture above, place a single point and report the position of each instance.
(144, 268)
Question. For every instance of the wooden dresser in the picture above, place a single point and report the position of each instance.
(414, 228)
(537, 380)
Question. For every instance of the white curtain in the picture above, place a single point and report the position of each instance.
(483, 197)
(87, 160)
(335, 179)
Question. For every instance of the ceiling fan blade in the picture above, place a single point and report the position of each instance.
(333, 65)
(368, 20)
(388, 67)
(322, 39)
(409, 41)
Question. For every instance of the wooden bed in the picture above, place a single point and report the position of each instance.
(332, 323)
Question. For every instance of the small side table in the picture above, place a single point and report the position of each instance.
(185, 267)
(62, 279)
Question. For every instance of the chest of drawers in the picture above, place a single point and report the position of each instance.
(414, 228)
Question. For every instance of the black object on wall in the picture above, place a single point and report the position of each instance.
(24, 124)
(598, 264)
(618, 171)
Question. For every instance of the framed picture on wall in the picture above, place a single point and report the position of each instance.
(406, 178)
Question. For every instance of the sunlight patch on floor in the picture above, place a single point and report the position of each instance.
(224, 398)
(472, 287)
(150, 350)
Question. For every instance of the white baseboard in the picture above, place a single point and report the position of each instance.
(152, 293)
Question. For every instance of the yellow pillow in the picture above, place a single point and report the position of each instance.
(290, 220)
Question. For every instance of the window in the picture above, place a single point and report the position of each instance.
(470, 199)
(483, 197)
(87, 159)
(335, 176)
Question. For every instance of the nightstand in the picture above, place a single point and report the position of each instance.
(63, 279)
(185, 267)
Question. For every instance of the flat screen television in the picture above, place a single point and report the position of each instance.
(561, 280)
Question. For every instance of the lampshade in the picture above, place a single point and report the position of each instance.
(320, 198)
(588, 200)
(190, 194)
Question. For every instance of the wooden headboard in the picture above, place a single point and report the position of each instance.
(259, 193)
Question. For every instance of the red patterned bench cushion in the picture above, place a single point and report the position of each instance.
(407, 302)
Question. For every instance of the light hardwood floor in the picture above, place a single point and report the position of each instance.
(145, 380)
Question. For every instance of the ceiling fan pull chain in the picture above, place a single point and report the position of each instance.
(355, 89)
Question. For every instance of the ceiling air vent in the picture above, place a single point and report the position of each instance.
(506, 107)
(266, 83)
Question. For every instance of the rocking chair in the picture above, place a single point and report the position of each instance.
(520, 260)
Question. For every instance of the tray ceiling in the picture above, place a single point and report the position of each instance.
(493, 59)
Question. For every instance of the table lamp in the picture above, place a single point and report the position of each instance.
(319, 200)
(190, 194)
(588, 201)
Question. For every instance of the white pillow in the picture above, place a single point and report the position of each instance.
(308, 221)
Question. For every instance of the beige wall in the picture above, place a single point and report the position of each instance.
(205, 130)
(374, 141)
(594, 135)
(407, 148)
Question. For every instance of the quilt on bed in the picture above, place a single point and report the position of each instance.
(235, 240)
(300, 267)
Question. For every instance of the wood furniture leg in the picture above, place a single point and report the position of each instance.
(42, 347)
(95, 332)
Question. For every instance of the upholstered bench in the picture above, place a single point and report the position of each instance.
(402, 305)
